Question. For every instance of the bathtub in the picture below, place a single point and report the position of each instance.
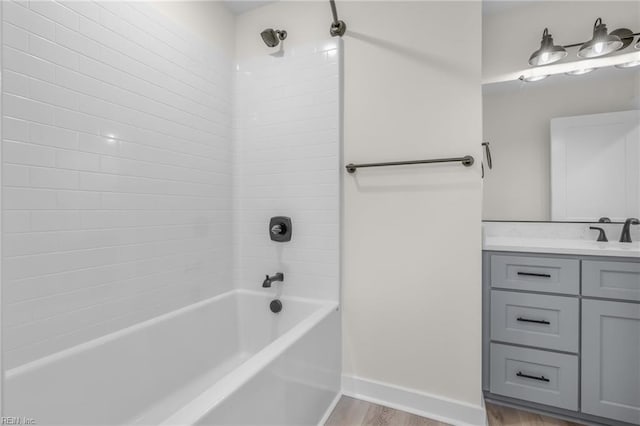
(226, 360)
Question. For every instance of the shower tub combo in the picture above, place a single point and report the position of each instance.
(226, 360)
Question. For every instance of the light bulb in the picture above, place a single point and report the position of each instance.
(598, 48)
(544, 58)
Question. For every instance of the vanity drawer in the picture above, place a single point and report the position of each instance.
(548, 322)
(546, 274)
(614, 280)
(538, 376)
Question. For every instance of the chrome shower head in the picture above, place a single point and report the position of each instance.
(272, 37)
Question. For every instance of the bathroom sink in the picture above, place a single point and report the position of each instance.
(562, 246)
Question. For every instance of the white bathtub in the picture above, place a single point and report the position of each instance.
(225, 360)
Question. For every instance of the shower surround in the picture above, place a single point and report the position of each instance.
(140, 167)
(287, 163)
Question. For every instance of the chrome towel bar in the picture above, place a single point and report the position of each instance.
(466, 161)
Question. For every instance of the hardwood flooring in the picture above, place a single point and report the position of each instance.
(499, 415)
(354, 412)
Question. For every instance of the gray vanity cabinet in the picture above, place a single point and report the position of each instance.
(562, 334)
(546, 274)
(611, 280)
(544, 377)
(611, 360)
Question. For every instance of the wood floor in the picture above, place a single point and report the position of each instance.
(499, 415)
(354, 412)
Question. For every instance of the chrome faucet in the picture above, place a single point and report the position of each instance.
(279, 276)
(625, 236)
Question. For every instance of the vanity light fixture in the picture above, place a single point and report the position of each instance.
(601, 43)
(548, 52)
(623, 60)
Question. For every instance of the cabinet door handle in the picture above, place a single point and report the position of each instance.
(526, 376)
(532, 320)
(534, 274)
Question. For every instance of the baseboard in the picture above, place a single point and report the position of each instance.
(422, 404)
(327, 413)
(484, 410)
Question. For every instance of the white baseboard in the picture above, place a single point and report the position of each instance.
(327, 413)
(422, 404)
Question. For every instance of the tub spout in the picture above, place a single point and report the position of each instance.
(279, 276)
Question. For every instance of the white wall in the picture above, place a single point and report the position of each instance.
(206, 20)
(116, 169)
(287, 163)
(411, 245)
(512, 30)
(516, 121)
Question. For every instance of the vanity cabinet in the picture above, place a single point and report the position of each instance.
(611, 360)
(562, 334)
(613, 280)
(538, 320)
(539, 376)
(535, 274)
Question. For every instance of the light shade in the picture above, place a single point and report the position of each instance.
(601, 43)
(533, 78)
(630, 64)
(581, 71)
(548, 52)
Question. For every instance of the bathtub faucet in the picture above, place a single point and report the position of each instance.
(279, 276)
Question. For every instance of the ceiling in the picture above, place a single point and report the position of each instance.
(239, 7)
(491, 7)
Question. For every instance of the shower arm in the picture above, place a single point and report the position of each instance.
(338, 27)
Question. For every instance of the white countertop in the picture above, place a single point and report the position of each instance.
(562, 246)
(558, 238)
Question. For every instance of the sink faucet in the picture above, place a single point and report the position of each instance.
(602, 236)
(625, 236)
(279, 276)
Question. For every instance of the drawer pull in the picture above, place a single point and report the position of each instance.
(532, 320)
(526, 376)
(534, 274)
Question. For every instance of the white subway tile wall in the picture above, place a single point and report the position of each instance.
(116, 171)
(288, 163)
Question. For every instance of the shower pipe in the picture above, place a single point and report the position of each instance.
(466, 161)
(338, 27)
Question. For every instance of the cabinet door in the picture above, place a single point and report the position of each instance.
(611, 360)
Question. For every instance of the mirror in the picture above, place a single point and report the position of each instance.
(566, 148)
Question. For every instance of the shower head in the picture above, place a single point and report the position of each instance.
(272, 37)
